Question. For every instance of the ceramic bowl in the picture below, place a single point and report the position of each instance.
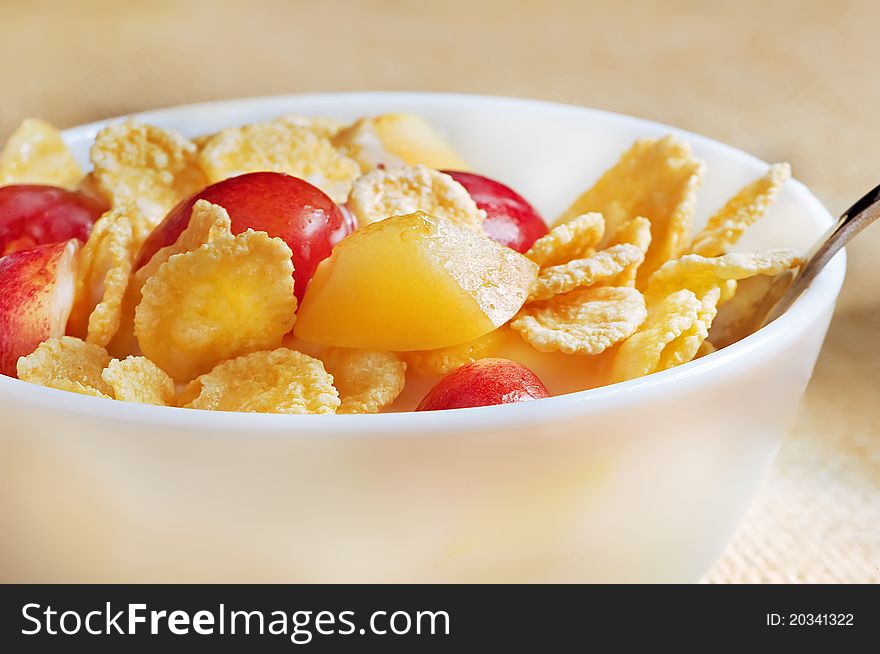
(640, 481)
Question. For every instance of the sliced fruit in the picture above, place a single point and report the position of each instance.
(33, 214)
(397, 138)
(36, 154)
(413, 282)
(36, 295)
(484, 383)
(278, 204)
(510, 219)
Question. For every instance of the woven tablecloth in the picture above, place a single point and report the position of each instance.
(795, 81)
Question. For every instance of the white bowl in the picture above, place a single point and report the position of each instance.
(640, 481)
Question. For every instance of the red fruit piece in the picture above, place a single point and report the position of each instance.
(510, 219)
(34, 214)
(483, 383)
(280, 205)
(36, 295)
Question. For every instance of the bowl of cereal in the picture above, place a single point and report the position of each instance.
(321, 338)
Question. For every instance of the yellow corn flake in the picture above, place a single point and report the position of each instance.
(395, 139)
(635, 232)
(105, 267)
(642, 352)
(67, 363)
(686, 345)
(657, 179)
(187, 394)
(584, 272)
(700, 274)
(201, 140)
(36, 154)
(322, 126)
(77, 387)
(227, 298)
(726, 227)
(586, 321)
(136, 379)
(367, 380)
(567, 241)
(444, 360)
(207, 223)
(279, 147)
(280, 381)
(145, 167)
(403, 190)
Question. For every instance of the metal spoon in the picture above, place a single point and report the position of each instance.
(770, 297)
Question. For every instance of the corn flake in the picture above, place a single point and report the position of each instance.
(686, 345)
(187, 394)
(446, 359)
(590, 270)
(726, 227)
(322, 126)
(104, 271)
(77, 387)
(67, 363)
(657, 179)
(136, 379)
(402, 190)
(280, 381)
(281, 147)
(207, 223)
(227, 298)
(700, 274)
(36, 154)
(582, 322)
(367, 380)
(642, 353)
(145, 167)
(570, 240)
(635, 232)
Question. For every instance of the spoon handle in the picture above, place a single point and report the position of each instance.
(865, 211)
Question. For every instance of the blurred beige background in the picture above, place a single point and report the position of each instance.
(796, 81)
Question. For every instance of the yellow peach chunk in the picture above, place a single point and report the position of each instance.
(413, 282)
(395, 138)
(36, 154)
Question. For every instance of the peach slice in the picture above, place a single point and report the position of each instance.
(413, 282)
(395, 138)
(36, 295)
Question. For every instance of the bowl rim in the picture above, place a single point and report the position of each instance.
(800, 317)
